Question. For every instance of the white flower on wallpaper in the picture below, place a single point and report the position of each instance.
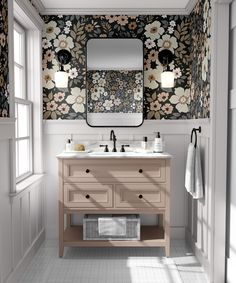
(167, 42)
(77, 99)
(2, 39)
(95, 94)
(150, 43)
(64, 108)
(59, 96)
(46, 43)
(181, 99)
(48, 78)
(204, 68)
(51, 105)
(73, 73)
(138, 93)
(154, 30)
(152, 77)
(63, 42)
(51, 30)
(108, 104)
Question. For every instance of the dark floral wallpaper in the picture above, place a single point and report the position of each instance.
(110, 91)
(180, 34)
(4, 80)
(201, 63)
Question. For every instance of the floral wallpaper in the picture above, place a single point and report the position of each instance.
(201, 63)
(180, 34)
(4, 80)
(110, 91)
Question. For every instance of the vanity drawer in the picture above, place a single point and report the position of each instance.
(146, 195)
(88, 195)
(118, 170)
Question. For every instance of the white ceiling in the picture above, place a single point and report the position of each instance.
(88, 4)
(116, 6)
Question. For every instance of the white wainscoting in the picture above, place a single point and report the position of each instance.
(21, 215)
(231, 205)
(199, 226)
(176, 135)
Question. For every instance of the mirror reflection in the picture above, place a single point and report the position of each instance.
(114, 82)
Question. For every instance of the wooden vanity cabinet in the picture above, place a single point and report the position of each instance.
(114, 186)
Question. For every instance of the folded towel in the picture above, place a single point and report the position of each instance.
(198, 189)
(193, 173)
(189, 172)
(112, 226)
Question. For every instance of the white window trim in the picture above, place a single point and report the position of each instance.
(25, 14)
(29, 137)
(20, 29)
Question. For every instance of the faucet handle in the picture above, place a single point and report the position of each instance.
(123, 147)
(106, 147)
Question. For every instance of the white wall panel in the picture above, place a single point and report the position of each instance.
(25, 220)
(231, 261)
(16, 232)
(5, 211)
(33, 214)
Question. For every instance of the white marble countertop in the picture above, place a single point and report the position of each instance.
(101, 154)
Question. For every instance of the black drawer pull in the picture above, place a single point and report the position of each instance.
(87, 170)
(140, 170)
(140, 196)
(87, 196)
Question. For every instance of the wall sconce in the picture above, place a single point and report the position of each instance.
(165, 57)
(61, 76)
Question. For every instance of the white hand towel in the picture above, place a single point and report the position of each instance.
(112, 226)
(193, 173)
(198, 189)
(189, 172)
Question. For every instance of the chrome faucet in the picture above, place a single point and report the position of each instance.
(113, 138)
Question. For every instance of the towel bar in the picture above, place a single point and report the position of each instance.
(195, 130)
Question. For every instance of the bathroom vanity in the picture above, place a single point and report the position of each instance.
(114, 183)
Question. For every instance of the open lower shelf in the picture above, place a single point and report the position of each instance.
(151, 236)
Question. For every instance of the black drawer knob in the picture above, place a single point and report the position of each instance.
(87, 196)
(140, 170)
(140, 196)
(87, 170)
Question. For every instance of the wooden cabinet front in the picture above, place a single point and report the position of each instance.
(136, 195)
(116, 186)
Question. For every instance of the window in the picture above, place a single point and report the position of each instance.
(23, 107)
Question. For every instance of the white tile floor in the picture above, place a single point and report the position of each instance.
(113, 265)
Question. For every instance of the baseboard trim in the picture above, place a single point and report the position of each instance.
(13, 277)
(198, 253)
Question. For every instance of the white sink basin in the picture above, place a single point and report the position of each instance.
(102, 153)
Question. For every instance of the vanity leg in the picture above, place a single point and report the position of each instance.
(61, 250)
(68, 220)
(61, 229)
(167, 250)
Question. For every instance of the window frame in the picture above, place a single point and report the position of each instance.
(21, 30)
(23, 101)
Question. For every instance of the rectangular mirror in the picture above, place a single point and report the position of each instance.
(114, 82)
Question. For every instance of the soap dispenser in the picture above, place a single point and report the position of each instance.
(158, 143)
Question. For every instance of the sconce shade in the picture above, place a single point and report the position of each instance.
(167, 79)
(61, 79)
(165, 57)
